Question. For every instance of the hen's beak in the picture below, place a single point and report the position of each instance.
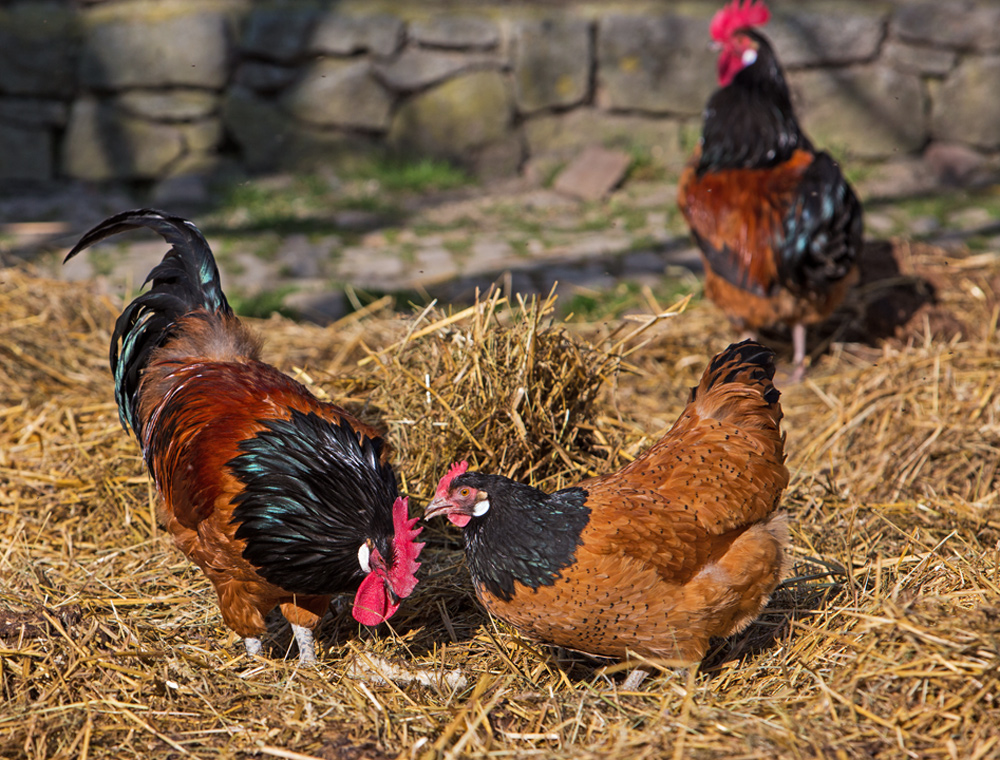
(438, 506)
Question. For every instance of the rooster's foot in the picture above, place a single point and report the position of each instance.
(307, 646)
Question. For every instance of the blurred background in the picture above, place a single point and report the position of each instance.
(336, 153)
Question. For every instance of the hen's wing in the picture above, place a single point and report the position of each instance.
(718, 471)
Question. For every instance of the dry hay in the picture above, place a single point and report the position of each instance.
(884, 644)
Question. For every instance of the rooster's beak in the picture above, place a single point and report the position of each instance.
(393, 597)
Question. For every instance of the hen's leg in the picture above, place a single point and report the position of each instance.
(634, 680)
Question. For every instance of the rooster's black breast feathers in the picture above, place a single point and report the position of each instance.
(313, 491)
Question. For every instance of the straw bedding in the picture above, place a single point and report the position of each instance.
(884, 643)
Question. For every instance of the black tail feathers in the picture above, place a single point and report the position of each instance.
(185, 280)
(748, 363)
(823, 227)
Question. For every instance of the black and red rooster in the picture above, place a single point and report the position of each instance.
(779, 228)
(280, 499)
(682, 544)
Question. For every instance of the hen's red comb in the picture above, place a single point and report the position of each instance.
(739, 14)
(403, 573)
(445, 483)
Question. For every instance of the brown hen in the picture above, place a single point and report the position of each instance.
(680, 545)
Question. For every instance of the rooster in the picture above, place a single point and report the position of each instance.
(678, 546)
(778, 226)
(279, 498)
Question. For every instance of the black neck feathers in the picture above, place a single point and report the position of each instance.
(750, 123)
(527, 535)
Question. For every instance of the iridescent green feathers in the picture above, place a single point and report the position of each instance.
(186, 280)
(313, 491)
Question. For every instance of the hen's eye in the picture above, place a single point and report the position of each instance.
(464, 492)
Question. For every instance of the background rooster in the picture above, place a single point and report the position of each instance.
(279, 498)
(778, 225)
(680, 545)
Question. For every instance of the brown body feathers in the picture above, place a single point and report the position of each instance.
(681, 545)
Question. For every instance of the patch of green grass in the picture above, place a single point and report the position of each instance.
(856, 173)
(941, 207)
(263, 304)
(408, 252)
(375, 204)
(266, 247)
(632, 218)
(595, 221)
(520, 247)
(295, 204)
(514, 217)
(625, 296)
(276, 205)
(103, 260)
(399, 174)
(690, 136)
(643, 243)
(641, 166)
(460, 247)
(549, 178)
(226, 258)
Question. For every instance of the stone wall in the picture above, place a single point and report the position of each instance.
(148, 89)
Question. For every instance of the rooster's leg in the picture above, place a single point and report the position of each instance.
(799, 345)
(307, 648)
(253, 646)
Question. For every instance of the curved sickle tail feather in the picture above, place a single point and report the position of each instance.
(186, 280)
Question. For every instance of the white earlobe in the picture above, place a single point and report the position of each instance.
(481, 508)
(363, 554)
(749, 56)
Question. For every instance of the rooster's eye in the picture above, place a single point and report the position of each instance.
(464, 492)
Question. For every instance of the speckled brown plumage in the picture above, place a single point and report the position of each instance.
(681, 545)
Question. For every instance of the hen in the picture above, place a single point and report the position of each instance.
(678, 546)
(279, 498)
(778, 226)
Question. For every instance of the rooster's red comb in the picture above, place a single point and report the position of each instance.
(445, 483)
(739, 14)
(403, 573)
